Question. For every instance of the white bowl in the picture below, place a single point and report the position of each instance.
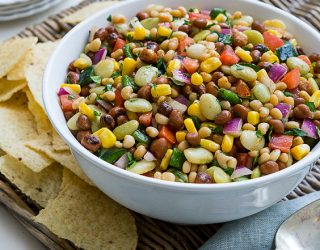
(176, 202)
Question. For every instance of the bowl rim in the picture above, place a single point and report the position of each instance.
(111, 169)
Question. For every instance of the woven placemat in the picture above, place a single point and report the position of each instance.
(153, 234)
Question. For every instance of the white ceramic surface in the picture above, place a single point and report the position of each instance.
(176, 202)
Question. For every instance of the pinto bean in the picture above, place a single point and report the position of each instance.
(91, 142)
(159, 147)
(193, 139)
(142, 15)
(165, 109)
(81, 134)
(117, 111)
(107, 121)
(145, 92)
(269, 167)
(241, 111)
(203, 178)
(223, 117)
(83, 122)
(148, 56)
(277, 125)
(175, 120)
(200, 22)
(302, 111)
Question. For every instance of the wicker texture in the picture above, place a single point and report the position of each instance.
(153, 234)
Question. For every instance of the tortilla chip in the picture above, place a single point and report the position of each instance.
(87, 217)
(2, 153)
(58, 144)
(42, 121)
(40, 187)
(18, 71)
(34, 71)
(9, 88)
(12, 51)
(87, 11)
(17, 127)
(65, 158)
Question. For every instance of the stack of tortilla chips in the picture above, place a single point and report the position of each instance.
(36, 160)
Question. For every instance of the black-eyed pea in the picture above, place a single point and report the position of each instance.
(280, 95)
(276, 113)
(167, 176)
(264, 112)
(206, 77)
(263, 127)
(183, 145)
(264, 158)
(281, 86)
(173, 44)
(186, 167)
(264, 150)
(274, 100)
(223, 82)
(161, 119)
(157, 175)
(152, 132)
(291, 125)
(275, 154)
(204, 132)
(140, 152)
(165, 17)
(253, 153)
(288, 100)
(202, 168)
(192, 176)
(118, 144)
(304, 94)
(283, 157)
(128, 141)
(225, 105)
(194, 168)
(256, 105)
(248, 126)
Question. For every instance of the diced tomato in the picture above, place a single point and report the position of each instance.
(242, 159)
(271, 41)
(145, 119)
(119, 101)
(292, 78)
(282, 142)
(306, 60)
(193, 16)
(242, 89)
(119, 44)
(66, 102)
(183, 44)
(228, 57)
(191, 65)
(166, 133)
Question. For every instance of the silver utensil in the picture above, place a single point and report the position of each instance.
(301, 231)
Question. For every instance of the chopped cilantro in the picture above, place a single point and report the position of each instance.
(115, 74)
(96, 113)
(109, 18)
(311, 106)
(288, 94)
(186, 22)
(96, 79)
(108, 87)
(228, 170)
(259, 133)
(131, 161)
(218, 130)
(318, 131)
(71, 97)
(192, 9)
(216, 11)
(161, 65)
(270, 133)
(255, 160)
(296, 132)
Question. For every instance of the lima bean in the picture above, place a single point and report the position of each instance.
(250, 140)
(195, 51)
(254, 37)
(142, 167)
(138, 105)
(244, 73)
(104, 68)
(126, 129)
(198, 155)
(261, 92)
(145, 75)
(209, 106)
(72, 122)
(218, 175)
(201, 35)
(295, 62)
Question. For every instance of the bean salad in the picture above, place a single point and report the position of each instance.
(194, 96)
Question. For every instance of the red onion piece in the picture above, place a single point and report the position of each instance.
(277, 71)
(233, 127)
(100, 55)
(122, 162)
(182, 100)
(205, 12)
(181, 76)
(240, 171)
(284, 108)
(62, 91)
(226, 31)
(310, 128)
(177, 105)
(149, 157)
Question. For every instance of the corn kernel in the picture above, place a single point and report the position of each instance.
(210, 64)
(129, 65)
(86, 110)
(190, 125)
(221, 18)
(227, 143)
(196, 79)
(294, 42)
(164, 31)
(253, 117)
(160, 90)
(246, 57)
(107, 138)
(300, 151)
(270, 57)
(117, 80)
(315, 98)
(274, 23)
(165, 161)
(140, 33)
(256, 173)
(181, 135)
(275, 32)
(173, 65)
(194, 110)
(116, 65)
(74, 87)
(130, 34)
(209, 145)
(81, 63)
